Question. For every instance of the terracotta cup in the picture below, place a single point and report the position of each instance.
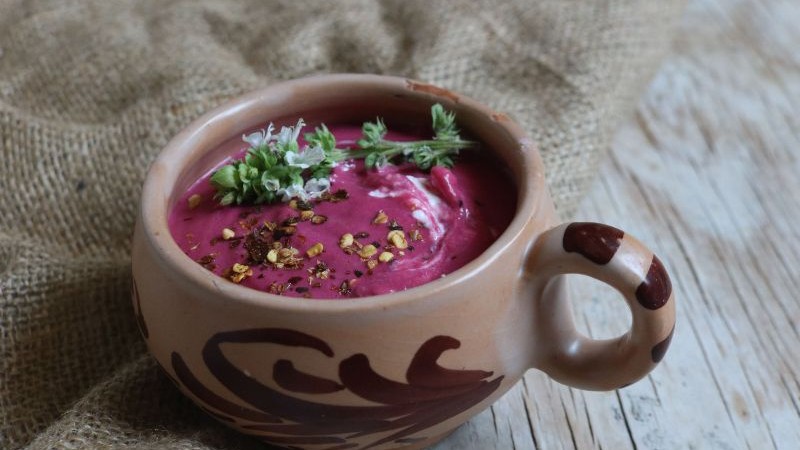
(392, 371)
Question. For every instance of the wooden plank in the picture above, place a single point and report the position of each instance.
(706, 173)
(501, 426)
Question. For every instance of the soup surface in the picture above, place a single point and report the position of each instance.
(376, 231)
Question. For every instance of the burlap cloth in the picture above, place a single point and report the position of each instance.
(91, 91)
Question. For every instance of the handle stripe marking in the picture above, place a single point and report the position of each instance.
(660, 349)
(596, 242)
(654, 291)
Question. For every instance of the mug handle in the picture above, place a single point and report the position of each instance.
(619, 260)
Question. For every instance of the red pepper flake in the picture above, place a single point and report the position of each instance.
(276, 288)
(284, 231)
(238, 272)
(249, 223)
(294, 280)
(303, 205)
(284, 257)
(194, 200)
(208, 261)
(258, 244)
(380, 217)
(320, 270)
(344, 288)
(335, 197)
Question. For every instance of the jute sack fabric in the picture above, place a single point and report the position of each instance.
(91, 91)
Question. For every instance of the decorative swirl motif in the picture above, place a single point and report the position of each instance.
(433, 393)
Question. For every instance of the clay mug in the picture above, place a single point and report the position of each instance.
(400, 370)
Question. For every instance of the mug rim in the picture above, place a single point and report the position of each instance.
(172, 162)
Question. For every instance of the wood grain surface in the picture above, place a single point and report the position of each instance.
(706, 173)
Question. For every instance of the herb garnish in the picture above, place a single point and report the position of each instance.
(275, 168)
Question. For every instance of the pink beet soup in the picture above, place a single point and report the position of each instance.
(422, 225)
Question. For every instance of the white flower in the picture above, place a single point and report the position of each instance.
(290, 134)
(271, 184)
(295, 190)
(381, 161)
(315, 187)
(311, 156)
(259, 138)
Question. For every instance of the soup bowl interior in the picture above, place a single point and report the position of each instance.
(334, 99)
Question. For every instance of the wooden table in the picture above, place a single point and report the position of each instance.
(706, 172)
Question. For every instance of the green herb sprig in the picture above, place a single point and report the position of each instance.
(276, 169)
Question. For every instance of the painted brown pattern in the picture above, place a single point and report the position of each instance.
(139, 317)
(213, 400)
(660, 349)
(431, 395)
(599, 243)
(656, 288)
(294, 380)
(596, 242)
